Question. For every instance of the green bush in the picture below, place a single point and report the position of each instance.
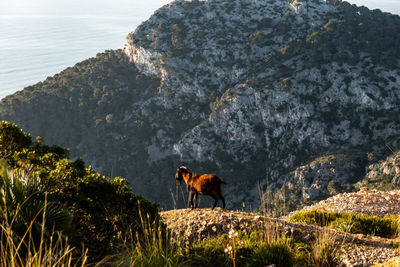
(207, 254)
(278, 252)
(381, 181)
(352, 223)
(12, 139)
(24, 206)
(103, 209)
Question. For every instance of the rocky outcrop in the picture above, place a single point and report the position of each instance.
(389, 168)
(205, 47)
(326, 175)
(369, 202)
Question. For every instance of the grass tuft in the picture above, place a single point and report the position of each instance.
(153, 247)
(51, 250)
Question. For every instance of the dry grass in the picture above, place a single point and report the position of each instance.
(155, 247)
(324, 250)
(51, 250)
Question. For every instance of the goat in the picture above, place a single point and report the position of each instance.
(206, 184)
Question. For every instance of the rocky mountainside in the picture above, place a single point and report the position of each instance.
(305, 93)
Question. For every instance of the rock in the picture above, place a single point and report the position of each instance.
(370, 202)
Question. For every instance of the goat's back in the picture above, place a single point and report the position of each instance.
(206, 183)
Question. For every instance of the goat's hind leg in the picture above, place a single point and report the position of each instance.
(215, 202)
(222, 198)
(191, 196)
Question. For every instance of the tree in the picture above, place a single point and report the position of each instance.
(12, 139)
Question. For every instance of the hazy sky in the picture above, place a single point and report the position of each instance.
(392, 6)
(80, 7)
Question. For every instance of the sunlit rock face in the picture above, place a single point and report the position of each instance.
(260, 113)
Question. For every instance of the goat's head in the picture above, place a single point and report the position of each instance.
(181, 172)
(178, 176)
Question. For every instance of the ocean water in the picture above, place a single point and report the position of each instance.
(41, 38)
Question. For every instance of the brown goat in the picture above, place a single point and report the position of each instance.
(206, 184)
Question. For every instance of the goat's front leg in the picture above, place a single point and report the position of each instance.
(195, 199)
(191, 196)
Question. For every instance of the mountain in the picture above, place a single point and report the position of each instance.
(288, 96)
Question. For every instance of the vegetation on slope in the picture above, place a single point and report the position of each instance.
(92, 210)
(360, 32)
(49, 205)
(80, 108)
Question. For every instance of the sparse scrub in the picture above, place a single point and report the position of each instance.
(349, 222)
(381, 181)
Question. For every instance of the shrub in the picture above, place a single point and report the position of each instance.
(208, 253)
(334, 187)
(278, 252)
(352, 223)
(285, 84)
(22, 205)
(12, 139)
(32, 229)
(381, 181)
(102, 209)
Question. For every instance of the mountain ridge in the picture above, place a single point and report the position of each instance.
(245, 89)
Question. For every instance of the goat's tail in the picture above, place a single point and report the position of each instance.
(220, 180)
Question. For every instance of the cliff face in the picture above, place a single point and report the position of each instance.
(245, 89)
(201, 48)
(270, 103)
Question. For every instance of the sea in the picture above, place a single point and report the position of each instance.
(39, 38)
